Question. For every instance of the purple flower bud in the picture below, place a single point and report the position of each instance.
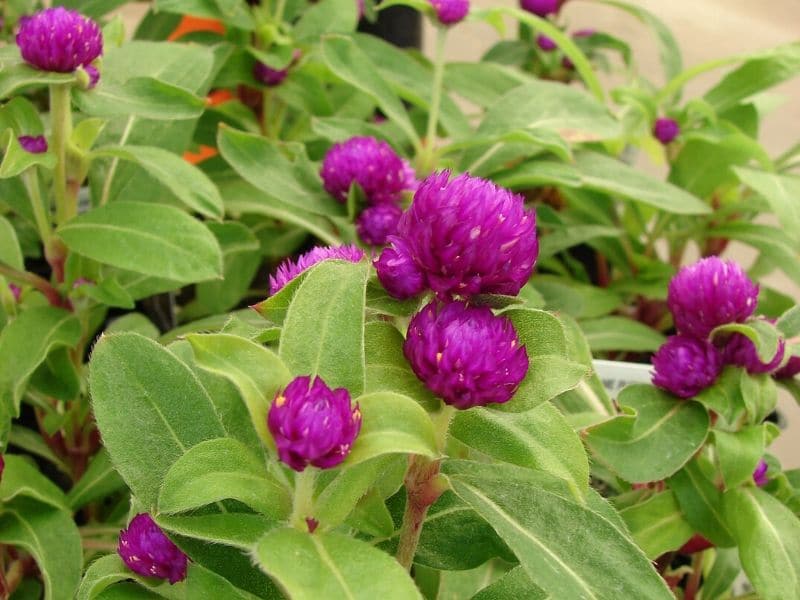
(16, 291)
(567, 63)
(362, 9)
(541, 8)
(686, 366)
(545, 43)
(465, 355)
(147, 551)
(372, 164)
(710, 293)
(397, 271)
(469, 236)
(2, 466)
(289, 269)
(35, 144)
(60, 40)
(584, 33)
(376, 223)
(94, 76)
(789, 370)
(312, 424)
(269, 76)
(450, 12)
(760, 474)
(665, 130)
(740, 351)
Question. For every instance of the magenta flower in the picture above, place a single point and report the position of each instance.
(269, 76)
(145, 549)
(376, 223)
(372, 164)
(710, 293)
(545, 43)
(465, 355)
(312, 424)
(16, 291)
(94, 76)
(397, 271)
(665, 130)
(467, 236)
(584, 33)
(450, 12)
(289, 269)
(685, 366)
(760, 474)
(60, 40)
(541, 8)
(789, 370)
(740, 351)
(35, 144)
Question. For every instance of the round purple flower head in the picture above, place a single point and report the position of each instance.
(685, 366)
(450, 12)
(289, 269)
(710, 293)
(94, 76)
(541, 8)
(741, 351)
(468, 236)
(789, 370)
(465, 355)
(665, 130)
(372, 164)
(312, 424)
(35, 144)
(60, 40)
(545, 43)
(145, 549)
(376, 223)
(397, 271)
(760, 474)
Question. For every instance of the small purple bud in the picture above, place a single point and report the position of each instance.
(710, 293)
(82, 281)
(312, 424)
(545, 43)
(567, 63)
(35, 144)
(16, 291)
(397, 272)
(372, 164)
(541, 8)
(2, 466)
(760, 474)
(94, 76)
(145, 549)
(685, 366)
(789, 370)
(740, 351)
(376, 223)
(312, 524)
(362, 9)
(269, 76)
(289, 269)
(60, 40)
(584, 33)
(465, 355)
(665, 130)
(450, 12)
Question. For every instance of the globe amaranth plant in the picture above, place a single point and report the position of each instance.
(282, 318)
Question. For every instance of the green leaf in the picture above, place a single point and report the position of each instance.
(100, 480)
(562, 238)
(231, 12)
(392, 424)
(102, 575)
(139, 97)
(657, 524)
(14, 77)
(17, 160)
(150, 409)
(222, 469)
(371, 516)
(238, 530)
(738, 454)
(762, 333)
(189, 184)
(566, 548)
(768, 537)
(780, 191)
(514, 584)
(134, 322)
(538, 439)
(327, 16)
(21, 478)
(324, 329)
(153, 239)
(577, 299)
(330, 565)
(776, 247)
(789, 322)
(51, 537)
(656, 437)
(10, 252)
(619, 333)
(205, 584)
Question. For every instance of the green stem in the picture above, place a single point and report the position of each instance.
(303, 504)
(35, 281)
(423, 488)
(677, 82)
(436, 99)
(279, 10)
(40, 213)
(115, 163)
(61, 116)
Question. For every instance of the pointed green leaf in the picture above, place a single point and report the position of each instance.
(657, 524)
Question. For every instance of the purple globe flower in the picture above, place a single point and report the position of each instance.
(710, 293)
(665, 130)
(685, 366)
(545, 43)
(145, 549)
(376, 223)
(35, 144)
(740, 351)
(789, 370)
(469, 236)
(397, 271)
(60, 40)
(289, 269)
(465, 355)
(541, 8)
(94, 76)
(312, 424)
(760, 474)
(450, 12)
(372, 164)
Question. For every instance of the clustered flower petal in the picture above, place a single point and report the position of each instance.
(376, 223)
(542, 8)
(466, 236)
(465, 354)
(372, 164)
(145, 549)
(686, 366)
(94, 76)
(760, 474)
(710, 293)
(450, 12)
(270, 76)
(741, 351)
(60, 40)
(312, 424)
(397, 271)
(35, 144)
(790, 369)
(665, 130)
(290, 269)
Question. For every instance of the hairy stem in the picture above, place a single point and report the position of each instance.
(61, 116)
(303, 504)
(37, 282)
(436, 100)
(423, 488)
